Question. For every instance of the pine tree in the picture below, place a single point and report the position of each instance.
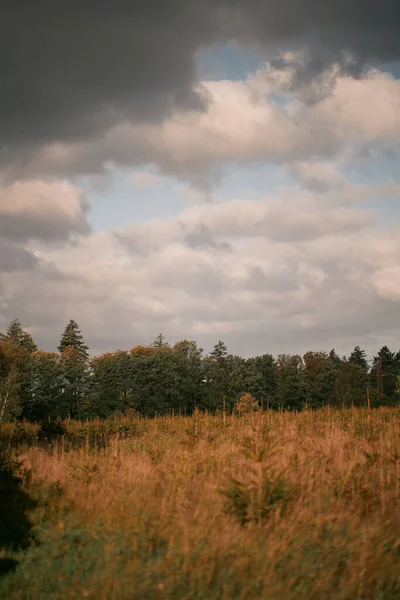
(293, 388)
(19, 336)
(384, 372)
(73, 338)
(220, 351)
(359, 357)
(160, 342)
(76, 378)
(351, 384)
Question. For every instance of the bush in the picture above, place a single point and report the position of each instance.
(246, 405)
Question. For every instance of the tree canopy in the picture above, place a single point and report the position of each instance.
(161, 378)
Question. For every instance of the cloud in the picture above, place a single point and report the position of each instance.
(292, 215)
(42, 210)
(144, 180)
(13, 257)
(318, 176)
(367, 32)
(71, 73)
(200, 238)
(244, 123)
(282, 274)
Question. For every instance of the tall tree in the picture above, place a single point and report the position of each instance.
(160, 342)
(73, 338)
(293, 391)
(267, 367)
(10, 380)
(220, 351)
(243, 377)
(75, 381)
(20, 337)
(359, 357)
(111, 383)
(189, 375)
(321, 370)
(351, 384)
(216, 377)
(46, 386)
(384, 372)
(154, 381)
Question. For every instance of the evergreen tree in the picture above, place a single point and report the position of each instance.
(155, 382)
(73, 338)
(45, 388)
(19, 336)
(244, 377)
(293, 390)
(189, 375)
(111, 384)
(160, 342)
(351, 384)
(267, 367)
(384, 373)
(220, 351)
(359, 357)
(216, 377)
(319, 377)
(75, 376)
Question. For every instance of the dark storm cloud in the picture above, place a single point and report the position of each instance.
(13, 257)
(71, 69)
(369, 29)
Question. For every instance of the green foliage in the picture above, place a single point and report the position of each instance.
(321, 371)
(160, 342)
(21, 338)
(111, 384)
(384, 372)
(293, 392)
(75, 382)
(45, 387)
(351, 384)
(73, 338)
(256, 502)
(10, 385)
(264, 493)
(160, 379)
(359, 357)
(220, 351)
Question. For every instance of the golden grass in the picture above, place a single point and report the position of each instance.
(157, 514)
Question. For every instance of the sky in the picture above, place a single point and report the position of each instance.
(224, 169)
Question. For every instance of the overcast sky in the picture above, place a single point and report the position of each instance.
(209, 169)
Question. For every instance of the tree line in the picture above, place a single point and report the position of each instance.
(160, 378)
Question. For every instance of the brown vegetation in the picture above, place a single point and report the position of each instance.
(273, 505)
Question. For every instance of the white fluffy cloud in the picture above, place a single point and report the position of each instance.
(45, 210)
(281, 274)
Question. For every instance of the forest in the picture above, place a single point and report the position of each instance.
(161, 379)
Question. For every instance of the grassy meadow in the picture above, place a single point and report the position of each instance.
(272, 505)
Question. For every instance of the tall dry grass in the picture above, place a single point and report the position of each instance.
(274, 505)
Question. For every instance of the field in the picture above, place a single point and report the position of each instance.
(271, 505)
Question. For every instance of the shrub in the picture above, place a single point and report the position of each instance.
(246, 405)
